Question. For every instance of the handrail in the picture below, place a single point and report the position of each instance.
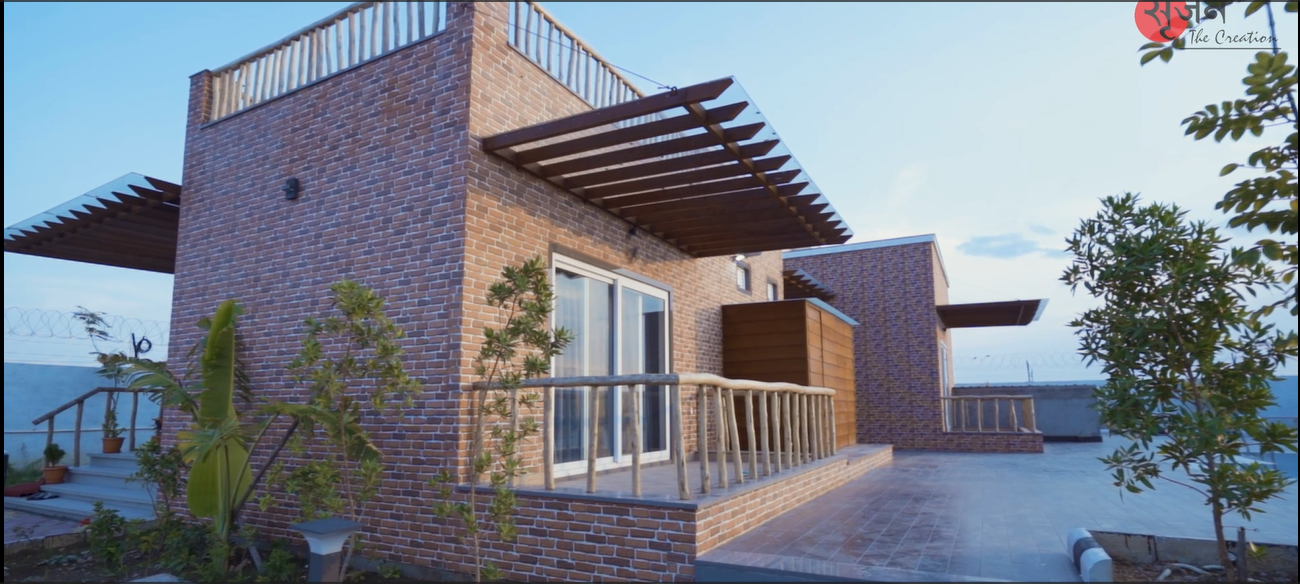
(957, 415)
(795, 424)
(661, 379)
(80, 403)
(352, 36)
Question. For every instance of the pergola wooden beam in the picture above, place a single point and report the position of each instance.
(698, 205)
(643, 152)
(664, 166)
(682, 178)
(637, 133)
(690, 179)
(609, 115)
(131, 222)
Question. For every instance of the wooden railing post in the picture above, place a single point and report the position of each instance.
(997, 415)
(1015, 420)
(805, 428)
(823, 450)
(135, 410)
(1030, 416)
(679, 440)
(593, 432)
(751, 434)
(734, 430)
(777, 420)
(636, 439)
(548, 436)
(702, 435)
(722, 438)
(76, 435)
(49, 431)
(763, 430)
(826, 426)
(835, 432)
(979, 413)
(796, 413)
(811, 416)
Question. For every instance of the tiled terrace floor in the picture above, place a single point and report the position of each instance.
(1002, 516)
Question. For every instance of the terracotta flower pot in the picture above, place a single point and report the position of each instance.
(54, 474)
(113, 445)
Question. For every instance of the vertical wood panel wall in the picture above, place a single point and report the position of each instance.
(794, 341)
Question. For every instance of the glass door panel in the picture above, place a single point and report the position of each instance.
(643, 336)
(585, 306)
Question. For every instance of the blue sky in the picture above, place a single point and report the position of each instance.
(995, 126)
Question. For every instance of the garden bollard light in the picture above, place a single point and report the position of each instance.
(325, 539)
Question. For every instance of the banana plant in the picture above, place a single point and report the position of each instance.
(216, 446)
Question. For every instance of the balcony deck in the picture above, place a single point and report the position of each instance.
(659, 482)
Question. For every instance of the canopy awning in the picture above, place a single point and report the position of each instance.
(1010, 313)
(131, 222)
(799, 284)
(698, 166)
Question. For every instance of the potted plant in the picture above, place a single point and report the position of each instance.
(53, 471)
(112, 432)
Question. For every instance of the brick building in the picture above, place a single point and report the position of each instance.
(419, 148)
(898, 290)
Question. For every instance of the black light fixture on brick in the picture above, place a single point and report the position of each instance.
(291, 188)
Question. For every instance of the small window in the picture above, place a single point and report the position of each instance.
(742, 277)
(772, 292)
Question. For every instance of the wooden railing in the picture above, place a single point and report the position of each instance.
(563, 55)
(345, 39)
(989, 413)
(80, 404)
(802, 428)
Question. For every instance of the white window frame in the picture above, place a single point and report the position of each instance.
(945, 388)
(619, 282)
(744, 278)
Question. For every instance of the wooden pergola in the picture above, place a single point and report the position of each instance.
(981, 314)
(131, 222)
(799, 284)
(685, 165)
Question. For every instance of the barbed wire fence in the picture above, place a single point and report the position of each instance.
(56, 337)
(1018, 360)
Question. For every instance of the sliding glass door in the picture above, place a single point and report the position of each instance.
(620, 326)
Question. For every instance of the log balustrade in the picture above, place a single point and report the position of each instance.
(795, 426)
(989, 413)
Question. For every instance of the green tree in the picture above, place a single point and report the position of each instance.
(1266, 199)
(521, 349)
(1187, 363)
(351, 364)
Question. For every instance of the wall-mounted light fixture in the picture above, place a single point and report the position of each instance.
(291, 188)
(739, 257)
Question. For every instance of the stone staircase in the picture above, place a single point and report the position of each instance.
(105, 479)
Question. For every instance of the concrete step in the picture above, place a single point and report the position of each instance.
(122, 499)
(104, 477)
(124, 461)
(71, 509)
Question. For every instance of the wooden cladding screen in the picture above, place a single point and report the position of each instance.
(794, 341)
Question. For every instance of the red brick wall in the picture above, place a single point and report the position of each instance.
(892, 291)
(511, 216)
(396, 194)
